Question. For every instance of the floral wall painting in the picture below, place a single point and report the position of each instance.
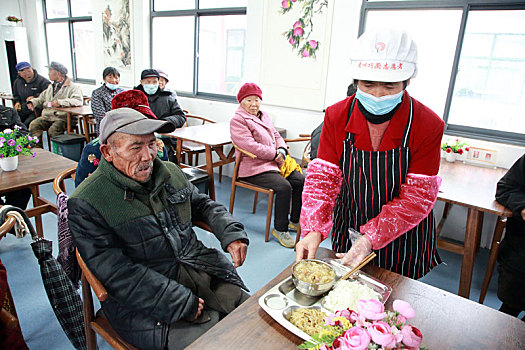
(300, 34)
(116, 35)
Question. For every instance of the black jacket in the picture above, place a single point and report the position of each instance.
(511, 193)
(134, 239)
(9, 118)
(165, 106)
(22, 90)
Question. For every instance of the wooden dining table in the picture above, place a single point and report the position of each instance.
(446, 320)
(472, 187)
(84, 113)
(213, 136)
(31, 173)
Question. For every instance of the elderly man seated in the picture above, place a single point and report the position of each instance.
(28, 85)
(61, 93)
(132, 223)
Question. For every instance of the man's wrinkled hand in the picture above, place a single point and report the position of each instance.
(55, 104)
(279, 160)
(237, 250)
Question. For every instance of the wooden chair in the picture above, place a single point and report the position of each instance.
(236, 182)
(192, 148)
(494, 249)
(8, 317)
(58, 182)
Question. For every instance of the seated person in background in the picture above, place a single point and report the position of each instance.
(62, 93)
(102, 96)
(164, 105)
(91, 155)
(28, 84)
(253, 131)
(163, 79)
(132, 223)
(9, 119)
(511, 283)
(162, 102)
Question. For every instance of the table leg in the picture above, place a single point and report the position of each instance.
(3, 101)
(35, 192)
(209, 169)
(85, 121)
(69, 131)
(178, 150)
(472, 233)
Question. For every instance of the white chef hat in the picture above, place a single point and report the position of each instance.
(384, 55)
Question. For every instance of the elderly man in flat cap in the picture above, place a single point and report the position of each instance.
(28, 85)
(132, 223)
(61, 93)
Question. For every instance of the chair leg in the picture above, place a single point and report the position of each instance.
(91, 337)
(190, 159)
(269, 215)
(255, 201)
(232, 196)
(443, 218)
(220, 173)
(298, 234)
(494, 249)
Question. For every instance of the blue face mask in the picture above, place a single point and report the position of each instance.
(112, 86)
(150, 89)
(378, 105)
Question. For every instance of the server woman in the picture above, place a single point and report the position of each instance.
(374, 183)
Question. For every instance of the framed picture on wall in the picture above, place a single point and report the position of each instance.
(482, 156)
(116, 36)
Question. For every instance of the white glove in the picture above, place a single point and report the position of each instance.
(361, 247)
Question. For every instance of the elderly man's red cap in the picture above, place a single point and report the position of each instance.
(249, 89)
(134, 99)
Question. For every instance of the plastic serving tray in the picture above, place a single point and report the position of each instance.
(283, 299)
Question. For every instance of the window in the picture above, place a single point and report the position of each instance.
(69, 36)
(206, 55)
(471, 64)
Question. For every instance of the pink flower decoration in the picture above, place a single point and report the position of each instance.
(313, 44)
(33, 155)
(404, 308)
(448, 150)
(356, 338)
(371, 309)
(467, 149)
(382, 335)
(412, 336)
(285, 4)
(294, 0)
(305, 53)
(298, 31)
(350, 315)
(297, 24)
(460, 151)
(11, 142)
(95, 162)
(291, 40)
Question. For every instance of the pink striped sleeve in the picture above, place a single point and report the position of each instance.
(321, 187)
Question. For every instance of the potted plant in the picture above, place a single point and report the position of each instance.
(454, 149)
(12, 20)
(12, 144)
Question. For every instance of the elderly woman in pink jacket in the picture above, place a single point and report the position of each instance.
(252, 130)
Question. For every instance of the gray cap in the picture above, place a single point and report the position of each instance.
(129, 121)
(59, 67)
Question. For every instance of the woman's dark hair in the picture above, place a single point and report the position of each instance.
(109, 71)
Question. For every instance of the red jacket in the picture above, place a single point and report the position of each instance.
(424, 143)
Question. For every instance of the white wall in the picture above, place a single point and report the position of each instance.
(344, 27)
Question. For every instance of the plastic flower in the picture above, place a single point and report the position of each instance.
(404, 308)
(2, 139)
(8, 131)
(448, 150)
(19, 148)
(14, 143)
(460, 151)
(11, 142)
(411, 336)
(381, 334)
(286, 4)
(371, 309)
(355, 338)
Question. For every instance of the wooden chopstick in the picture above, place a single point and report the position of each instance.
(360, 266)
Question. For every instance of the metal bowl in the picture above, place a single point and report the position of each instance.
(312, 289)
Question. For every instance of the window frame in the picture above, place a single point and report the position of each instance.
(465, 6)
(196, 13)
(70, 20)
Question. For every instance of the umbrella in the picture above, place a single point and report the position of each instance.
(62, 295)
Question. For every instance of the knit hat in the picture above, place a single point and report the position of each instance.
(249, 89)
(163, 74)
(59, 67)
(148, 73)
(386, 55)
(134, 99)
(22, 65)
(130, 121)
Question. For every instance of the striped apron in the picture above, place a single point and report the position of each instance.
(370, 180)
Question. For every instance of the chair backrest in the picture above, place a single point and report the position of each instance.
(306, 152)
(7, 319)
(58, 183)
(200, 119)
(242, 153)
